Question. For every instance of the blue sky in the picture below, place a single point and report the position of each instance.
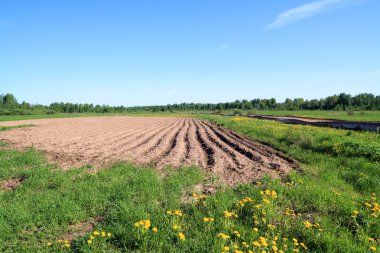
(159, 52)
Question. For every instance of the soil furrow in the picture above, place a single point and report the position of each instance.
(177, 154)
(129, 149)
(113, 150)
(239, 148)
(222, 160)
(160, 150)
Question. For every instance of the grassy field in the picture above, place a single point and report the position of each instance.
(77, 115)
(341, 115)
(330, 205)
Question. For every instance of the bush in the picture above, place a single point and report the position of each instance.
(237, 111)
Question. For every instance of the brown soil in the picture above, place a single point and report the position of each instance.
(160, 141)
(81, 229)
(11, 184)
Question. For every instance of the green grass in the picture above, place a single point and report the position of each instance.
(341, 115)
(77, 115)
(5, 128)
(339, 174)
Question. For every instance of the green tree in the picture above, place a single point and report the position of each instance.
(9, 101)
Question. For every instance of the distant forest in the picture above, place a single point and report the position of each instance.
(364, 101)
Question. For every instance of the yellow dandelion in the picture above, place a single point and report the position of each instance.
(182, 237)
(176, 227)
(49, 244)
(89, 242)
(256, 243)
(307, 224)
(103, 234)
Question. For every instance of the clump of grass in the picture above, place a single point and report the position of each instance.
(5, 128)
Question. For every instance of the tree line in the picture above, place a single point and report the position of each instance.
(364, 101)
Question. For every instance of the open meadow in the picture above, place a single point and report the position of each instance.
(186, 184)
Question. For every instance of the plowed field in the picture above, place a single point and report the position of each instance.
(160, 141)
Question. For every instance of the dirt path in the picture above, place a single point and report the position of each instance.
(161, 141)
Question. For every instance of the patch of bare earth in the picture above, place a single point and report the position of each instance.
(81, 229)
(11, 184)
(162, 141)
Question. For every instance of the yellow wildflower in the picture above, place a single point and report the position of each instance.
(372, 248)
(223, 236)
(263, 241)
(256, 243)
(255, 229)
(206, 219)
(182, 237)
(103, 234)
(226, 248)
(89, 242)
(96, 233)
(307, 224)
(176, 227)
(49, 244)
(155, 229)
(109, 234)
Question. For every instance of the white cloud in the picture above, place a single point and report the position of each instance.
(303, 11)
